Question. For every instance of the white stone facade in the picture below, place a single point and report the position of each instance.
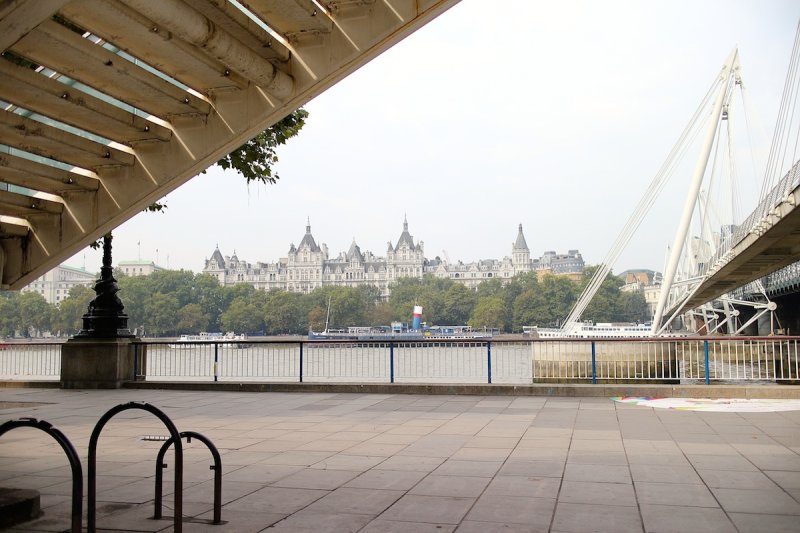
(138, 268)
(56, 283)
(308, 266)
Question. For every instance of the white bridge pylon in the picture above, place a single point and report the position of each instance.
(729, 78)
(710, 212)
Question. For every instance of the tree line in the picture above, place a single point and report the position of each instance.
(173, 302)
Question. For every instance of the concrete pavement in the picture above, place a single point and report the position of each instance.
(392, 462)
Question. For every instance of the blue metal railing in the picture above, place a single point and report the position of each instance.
(464, 361)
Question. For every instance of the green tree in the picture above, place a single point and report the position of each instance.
(488, 313)
(459, 302)
(560, 294)
(606, 304)
(160, 312)
(530, 310)
(255, 158)
(242, 316)
(69, 316)
(518, 284)
(210, 296)
(316, 318)
(490, 287)
(381, 315)
(192, 319)
(33, 312)
(428, 292)
(178, 283)
(633, 307)
(546, 303)
(135, 292)
(285, 312)
(8, 313)
(239, 290)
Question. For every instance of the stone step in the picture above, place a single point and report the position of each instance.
(18, 505)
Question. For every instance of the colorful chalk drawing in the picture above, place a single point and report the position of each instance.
(734, 405)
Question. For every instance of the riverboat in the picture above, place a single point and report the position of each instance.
(399, 331)
(365, 333)
(230, 338)
(590, 330)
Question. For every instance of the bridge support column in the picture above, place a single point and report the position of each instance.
(765, 325)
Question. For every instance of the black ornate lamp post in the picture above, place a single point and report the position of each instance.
(105, 318)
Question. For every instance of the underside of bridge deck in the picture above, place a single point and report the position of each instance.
(774, 244)
(108, 105)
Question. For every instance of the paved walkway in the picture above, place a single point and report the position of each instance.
(383, 462)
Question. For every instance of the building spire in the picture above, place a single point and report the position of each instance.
(405, 222)
(520, 243)
(308, 225)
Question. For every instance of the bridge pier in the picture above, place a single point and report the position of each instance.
(788, 313)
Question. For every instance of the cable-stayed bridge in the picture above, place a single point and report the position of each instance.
(767, 241)
(715, 250)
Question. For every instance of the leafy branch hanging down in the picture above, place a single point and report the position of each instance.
(255, 158)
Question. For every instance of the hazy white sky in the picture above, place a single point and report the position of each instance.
(553, 114)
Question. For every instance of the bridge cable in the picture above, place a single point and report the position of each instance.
(643, 207)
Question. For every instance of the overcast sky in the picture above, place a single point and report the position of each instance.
(555, 115)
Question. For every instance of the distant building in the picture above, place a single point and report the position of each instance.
(55, 284)
(645, 282)
(138, 268)
(309, 266)
(568, 263)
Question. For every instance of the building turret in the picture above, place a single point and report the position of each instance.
(405, 260)
(216, 266)
(520, 254)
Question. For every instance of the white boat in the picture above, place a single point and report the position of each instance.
(230, 338)
(590, 330)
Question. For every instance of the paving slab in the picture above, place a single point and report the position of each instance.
(676, 519)
(759, 523)
(584, 518)
(533, 512)
(333, 461)
(597, 493)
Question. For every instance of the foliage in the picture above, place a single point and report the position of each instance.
(192, 318)
(255, 158)
(285, 312)
(68, 318)
(489, 313)
(243, 315)
(170, 303)
(161, 310)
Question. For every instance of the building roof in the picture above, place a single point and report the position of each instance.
(405, 237)
(355, 253)
(308, 240)
(140, 262)
(76, 269)
(520, 243)
(217, 256)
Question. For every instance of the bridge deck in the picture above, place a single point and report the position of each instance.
(773, 244)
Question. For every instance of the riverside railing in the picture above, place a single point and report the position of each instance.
(30, 361)
(463, 361)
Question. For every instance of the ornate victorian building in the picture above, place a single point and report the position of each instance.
(309, 266)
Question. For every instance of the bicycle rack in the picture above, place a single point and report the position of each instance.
(216, 467)
(91, 516)
(72, 455)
